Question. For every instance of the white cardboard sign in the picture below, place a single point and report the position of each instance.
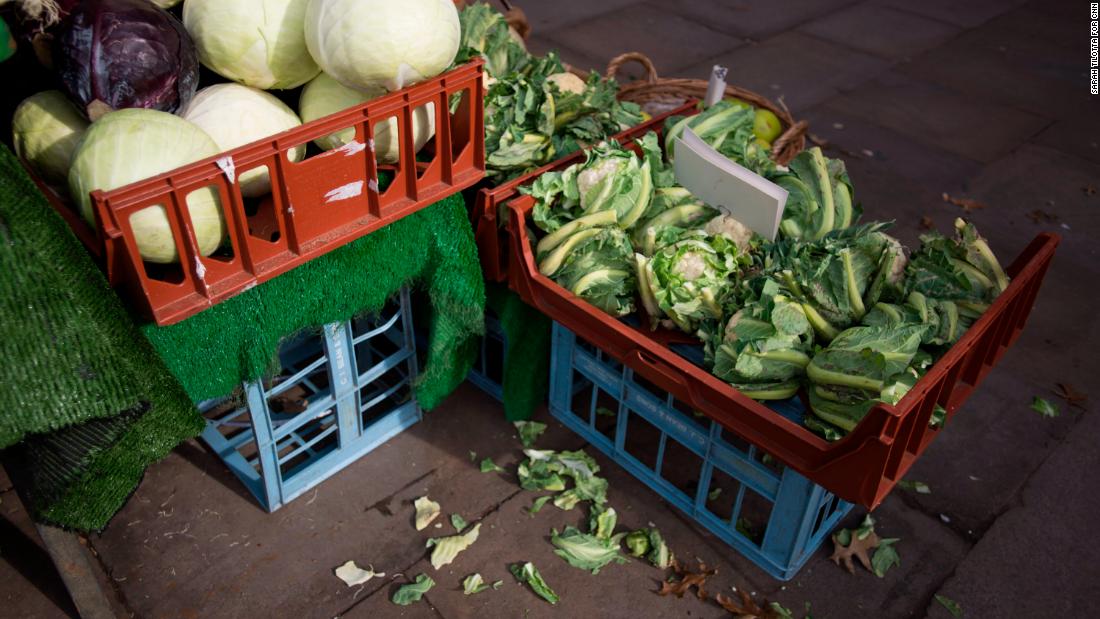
(734, 189)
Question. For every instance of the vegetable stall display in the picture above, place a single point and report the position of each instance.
(832, 307)
(116, 62)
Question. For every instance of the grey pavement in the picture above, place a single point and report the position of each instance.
(983, 99)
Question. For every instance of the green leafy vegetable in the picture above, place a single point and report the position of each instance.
(728, 127)
(637, 542)
(916, 486)
(407, 594)
(649, 542)
(862, 366)
(447, 548)
(539, 503)
(529, 432)
(427, 510)
(819, 196)
(602, 522)
(885, 557)
(529, 574)
(488, 466)
(962, 269)
(951, 605)
(586, 551)
(1044, 407)
(474, 584)
(458, 522)
(765, 346)
(683, 283)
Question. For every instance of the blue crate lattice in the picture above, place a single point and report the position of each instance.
(488, 371)
(770, 514)
(353, 381)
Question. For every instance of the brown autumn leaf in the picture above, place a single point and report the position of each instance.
(1040, 216)
(688, 579)
(967, 204)
(291, 401)
(746, 607)
(857, 548)
(926, 223)
(1071, 396)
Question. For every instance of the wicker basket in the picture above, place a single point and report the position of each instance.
(658, 95)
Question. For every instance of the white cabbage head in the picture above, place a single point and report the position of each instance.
(235, 115)
(45, 130)
(259, 43)
(324, 96)
(370, 44)
(133, 144)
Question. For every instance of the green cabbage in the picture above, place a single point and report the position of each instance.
(765, 346)
(257, 43)
(371, 44)
(819, 196)
(235, 115)
(324, 96)
(131, 145)
(45, 130)
(684, 283)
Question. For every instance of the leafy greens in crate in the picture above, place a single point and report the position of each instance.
(832, 308)
(535, 111)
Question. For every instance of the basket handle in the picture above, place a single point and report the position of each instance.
(517, 19)
(618, 61)
(793, 132)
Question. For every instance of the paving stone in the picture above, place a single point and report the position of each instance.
(1078, 136)
(30, 587)
(928, 551)
(879, 30)
(757, 19)
(937, 116)
(864, 144)
(968, 14)
(1039, 559)
(670, 40)
(1002, 62)
(192, 540)
(801, 69)
(541, 45)
(979, 463)
(546, 17)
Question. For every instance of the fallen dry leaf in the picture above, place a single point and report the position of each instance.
(1040, 216)
(857, 548)
(1071, 396)
(291, 401)
(746, 607)
(926, 223)
(688, 579)
(967, 204)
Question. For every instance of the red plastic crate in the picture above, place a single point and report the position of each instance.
(302, 218)
(861, 468)
(490, 234)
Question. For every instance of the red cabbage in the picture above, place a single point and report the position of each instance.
(114, 54)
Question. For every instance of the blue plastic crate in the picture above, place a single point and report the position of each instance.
(770, 514)
(340, 394)
(488, 371)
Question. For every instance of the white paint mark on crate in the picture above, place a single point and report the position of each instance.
(344, 192)
(228, 167)
(351, 148)
(200, 269)
(373, 185)
(371, 143)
